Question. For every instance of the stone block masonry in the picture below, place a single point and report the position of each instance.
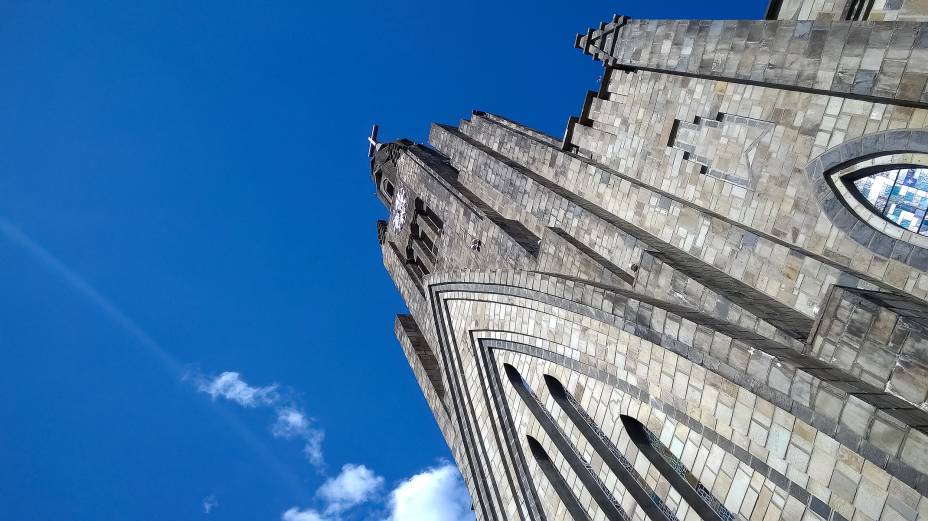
(686, 308)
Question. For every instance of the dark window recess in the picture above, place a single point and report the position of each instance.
(424, 237)
(674, 471)
(418, 251)
(584, 471)
(425, 241)
(858, 10)
(558, 483)
(896, 193)
(381, 231)
(426, 230)
(773, 9)
(416, 265)
(427, 214)
(381, 183)
(414, 274)
(623, 469)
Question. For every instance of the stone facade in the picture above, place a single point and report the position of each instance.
(679, 311)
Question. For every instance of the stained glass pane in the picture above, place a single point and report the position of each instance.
(906, 206)
(876, 188)
(914, 177)
(900, 195)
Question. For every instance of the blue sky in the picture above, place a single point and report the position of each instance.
(194, 312)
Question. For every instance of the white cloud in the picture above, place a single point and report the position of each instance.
(229, 385)
(293, 423)
(209, 504)
(313, 448)
(354, 485)
(290, 421)
(437, 494)
(294, 514)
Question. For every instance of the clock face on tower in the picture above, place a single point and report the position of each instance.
(398, 219)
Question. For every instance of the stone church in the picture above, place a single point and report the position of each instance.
(708, 300)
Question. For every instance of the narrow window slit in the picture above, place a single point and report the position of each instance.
(584, 471)
(681, 479)
(558, 483)
(623, 469)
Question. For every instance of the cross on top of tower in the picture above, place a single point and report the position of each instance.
(372, 140)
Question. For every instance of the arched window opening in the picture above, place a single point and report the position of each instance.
(644, 495)
(886, 211)
(675, 472)
(898, 193)
(558, 483)
(583, 469)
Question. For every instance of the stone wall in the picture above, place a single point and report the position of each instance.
(681, 261)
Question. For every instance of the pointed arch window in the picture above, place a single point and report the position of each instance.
(680, 478)
(585, 472)
(561, 488)
(872, 189)
(624, 470)
(898, 193)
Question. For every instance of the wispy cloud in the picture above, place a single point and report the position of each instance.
(354, 485)
(229, 385)
(142, 338)
(295, 514)
(210, 503)
(290, 421)
(437, 494)
(293, 423)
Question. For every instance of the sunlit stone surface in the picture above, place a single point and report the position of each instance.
(707, 301)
